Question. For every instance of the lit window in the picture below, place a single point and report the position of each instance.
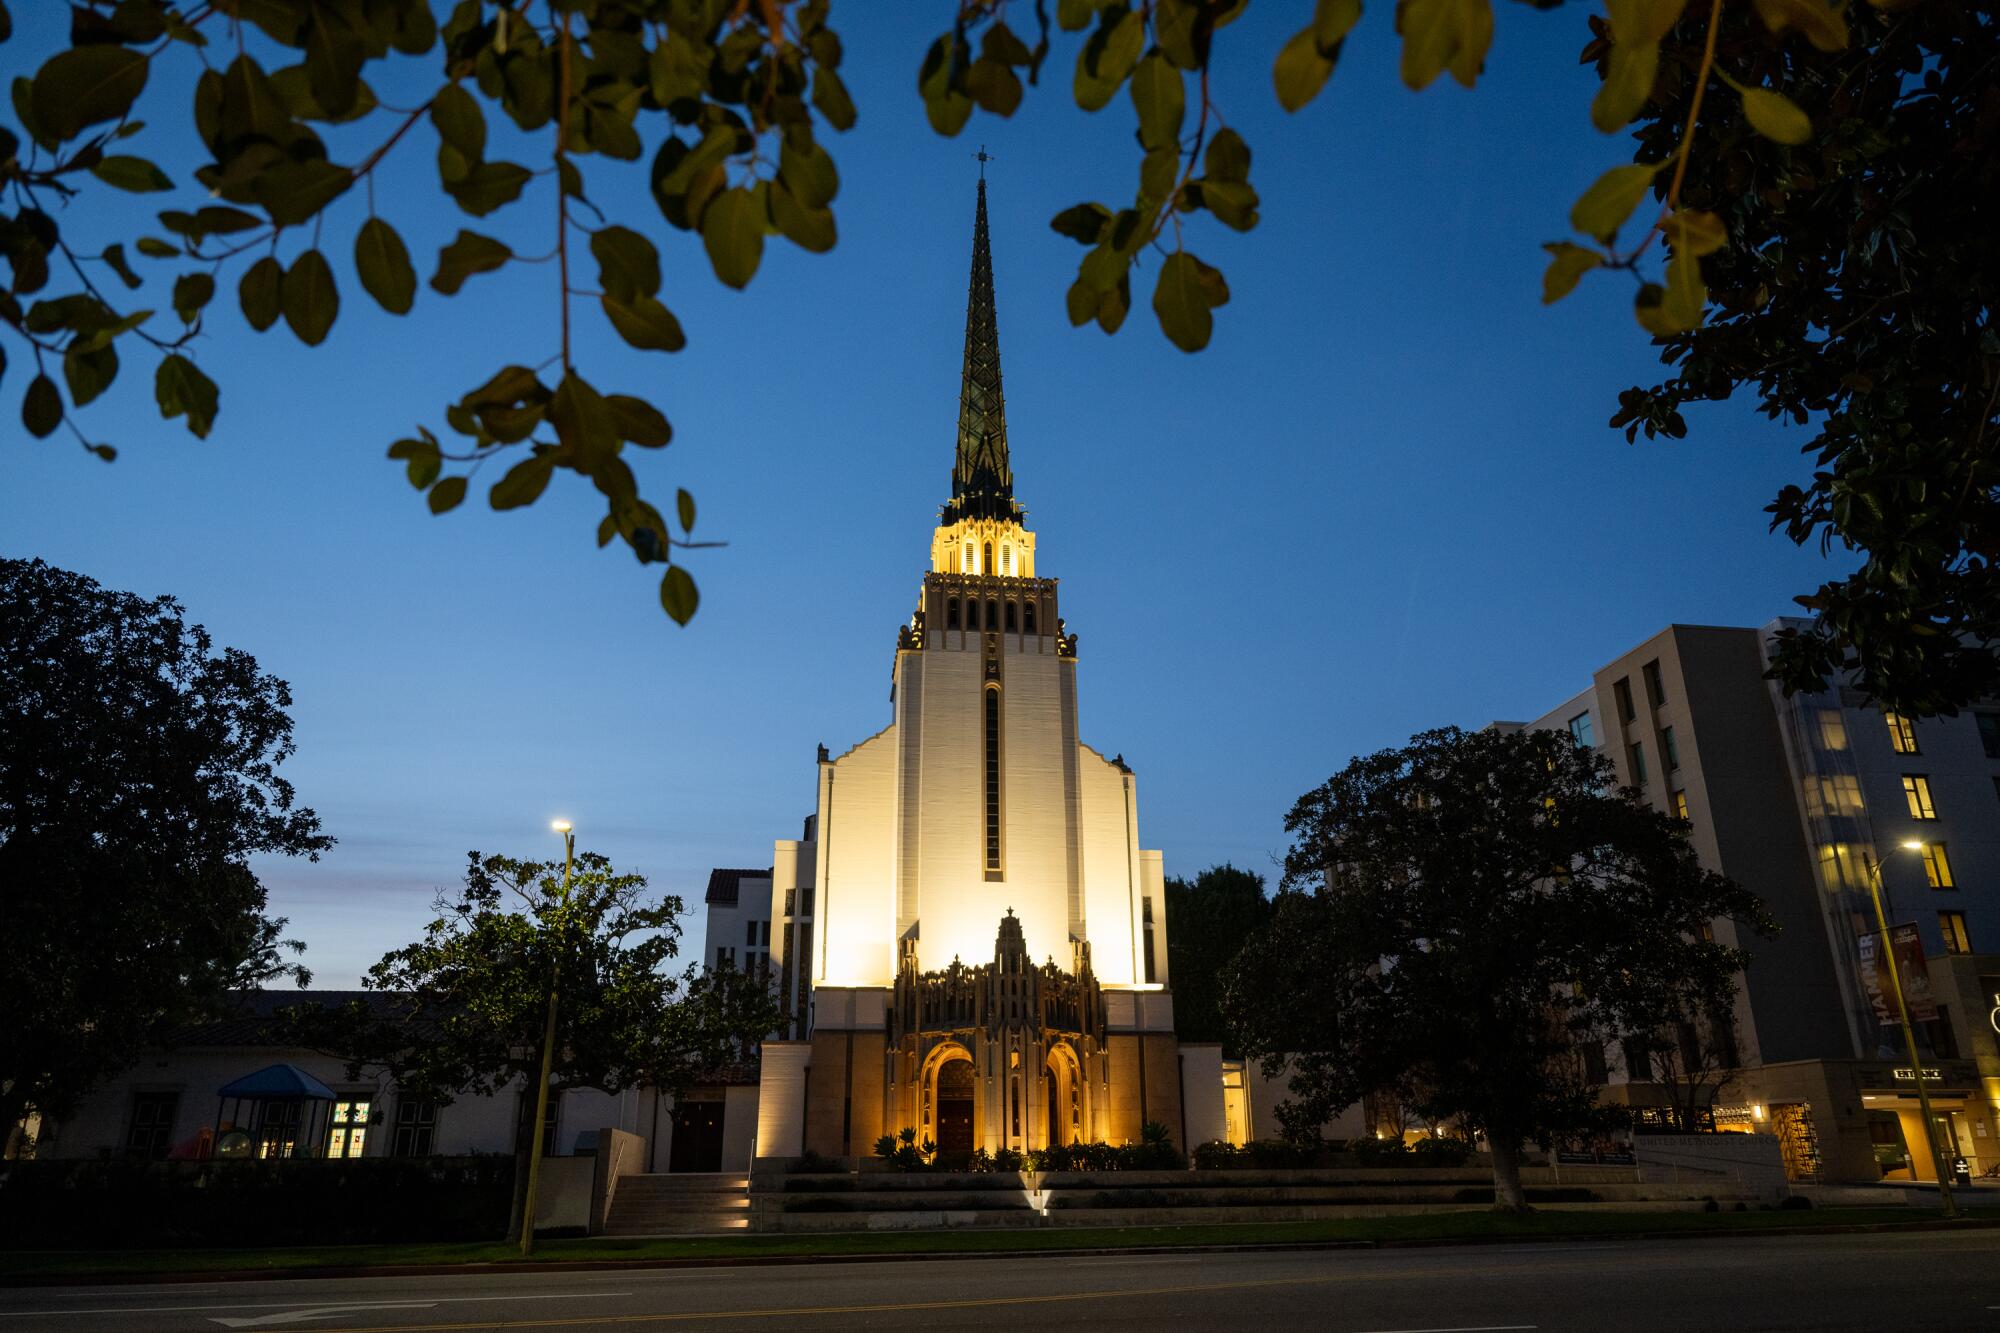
(1937, 866)
(1902, 733)
(1956, 940)
(1843, 865)
(1673, 750)
(1917, 791)
(968, 559)
(349, 1134)
(986, 565)
(1638, 764)
(1681, 806)
(1832, 729)
(1006, 559)
(1580, 728)
(1837, 795)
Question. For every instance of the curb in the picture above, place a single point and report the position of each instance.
(934, 1256)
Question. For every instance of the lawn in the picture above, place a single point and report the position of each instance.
(29, 1266)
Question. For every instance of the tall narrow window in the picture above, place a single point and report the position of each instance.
(968, 560)
(1956, 938)
(1917, 791)
(1579, 727)
(1902, 733)
(1621, 690)
(986, 561)
(1681, 806)
(1638, 753)
(1028, 617)
(1989, 733)
(992, 614)
(1937, 866)
(1006, 559)
(1672, 749)
(993, 781)
(1012, 623)
(951, 614)
(1151, 975)
(1656, 693)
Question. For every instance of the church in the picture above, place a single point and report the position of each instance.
(969, 939)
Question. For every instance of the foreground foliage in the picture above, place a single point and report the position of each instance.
(138, 775)
(1460, 921)
(1817, 171)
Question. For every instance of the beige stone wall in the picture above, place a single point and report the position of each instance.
(1110, 867)
(855, 942)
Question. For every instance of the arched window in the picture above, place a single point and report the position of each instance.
(986, 565)
(1011, 625)
(972, 613)
(992, 758)
(951, 614)
(968, 569)
(992, 614)
(1007, 560)
(1028, 617)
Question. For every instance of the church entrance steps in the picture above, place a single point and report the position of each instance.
(679, 1205)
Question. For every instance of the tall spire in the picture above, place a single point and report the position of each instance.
(982, 483)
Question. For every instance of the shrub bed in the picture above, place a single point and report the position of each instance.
(101, 1204)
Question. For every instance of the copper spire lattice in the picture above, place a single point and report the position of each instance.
(982, 484)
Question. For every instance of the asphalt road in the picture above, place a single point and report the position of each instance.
(1908, 1281)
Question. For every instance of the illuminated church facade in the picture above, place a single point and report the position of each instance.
(970, 939)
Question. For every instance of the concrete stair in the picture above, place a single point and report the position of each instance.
(679, 1205)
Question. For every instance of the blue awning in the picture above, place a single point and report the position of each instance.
(278, 1081)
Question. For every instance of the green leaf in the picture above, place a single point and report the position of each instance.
(584, 422)
(384, 266)
(42, 407)
(810, 229)
(421, 460)
(639, 422)
(293, 191)
(1082, 222)
(732, 230)
(1695, 232)
(459, 122)
(1107, 58)
(84, 86)
(627, 263)
(1570, 262)
(1677, 306)
(1821, 24)
(192, 291)
(829, 97)
(1161, 101)
(114, 259)
(335, 53)
(1605, 206)
(1332, 21)
(1642, 20)
(1184, 297)
(685, 503)
(134, 174)
(1628, 82)
(678, 594)
(1301, 71)
(1227, 157)
(1775, 116)
(644, 323)
(470, 253)
(446, 494)
(809, 174)
(309, 298)
(155, 248)
(1234, 203)
(1444, 34)
(523, 484)
(489, 186)
(89, 371)
(259, 292)
(181, 389)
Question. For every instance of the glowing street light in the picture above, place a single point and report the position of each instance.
(568, 831)
(1938, 1164)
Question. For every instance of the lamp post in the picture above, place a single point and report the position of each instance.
(568, 831)
(1938, 1164)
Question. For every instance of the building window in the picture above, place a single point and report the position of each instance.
(951, 613)
(1580, 729)
(1147, 913)
(1989, 733)
(725, 956)
(1917, 791)
(1673, 751)
(1937, 866)
(1006, 559)
(993, 780)
(524, 1120)
(416, 1127)
(1012, 623)
(1656, 694)
(1681, 806)
(992, 614)
(1939, 1036)
(1622, 692)
(1832, 730)
(750, 933)
(151, 1132)
(1902, 733)
(1956, 940)
(348, 1134)
(1028, 617)
(1638, 764)
(986, 559)
(764, 933)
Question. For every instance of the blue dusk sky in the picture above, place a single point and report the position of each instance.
(1384, 499)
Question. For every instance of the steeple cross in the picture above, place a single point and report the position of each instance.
(983, 157)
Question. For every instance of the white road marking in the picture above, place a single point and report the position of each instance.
(317, 1312)
(294, 1305)
(1468, 1328)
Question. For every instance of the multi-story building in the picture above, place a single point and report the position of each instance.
(1804, 799)
(738, 933)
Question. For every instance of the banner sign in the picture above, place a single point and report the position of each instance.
(1909, 947)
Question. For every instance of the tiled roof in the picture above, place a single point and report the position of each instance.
(722, 884)
(256, 1014)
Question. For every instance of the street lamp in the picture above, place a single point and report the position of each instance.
(1949, 1203)
(568, 831)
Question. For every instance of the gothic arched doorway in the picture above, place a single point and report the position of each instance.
(954, 1111)
(1062, 1085)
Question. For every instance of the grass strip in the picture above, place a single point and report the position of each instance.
(45, 1265)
